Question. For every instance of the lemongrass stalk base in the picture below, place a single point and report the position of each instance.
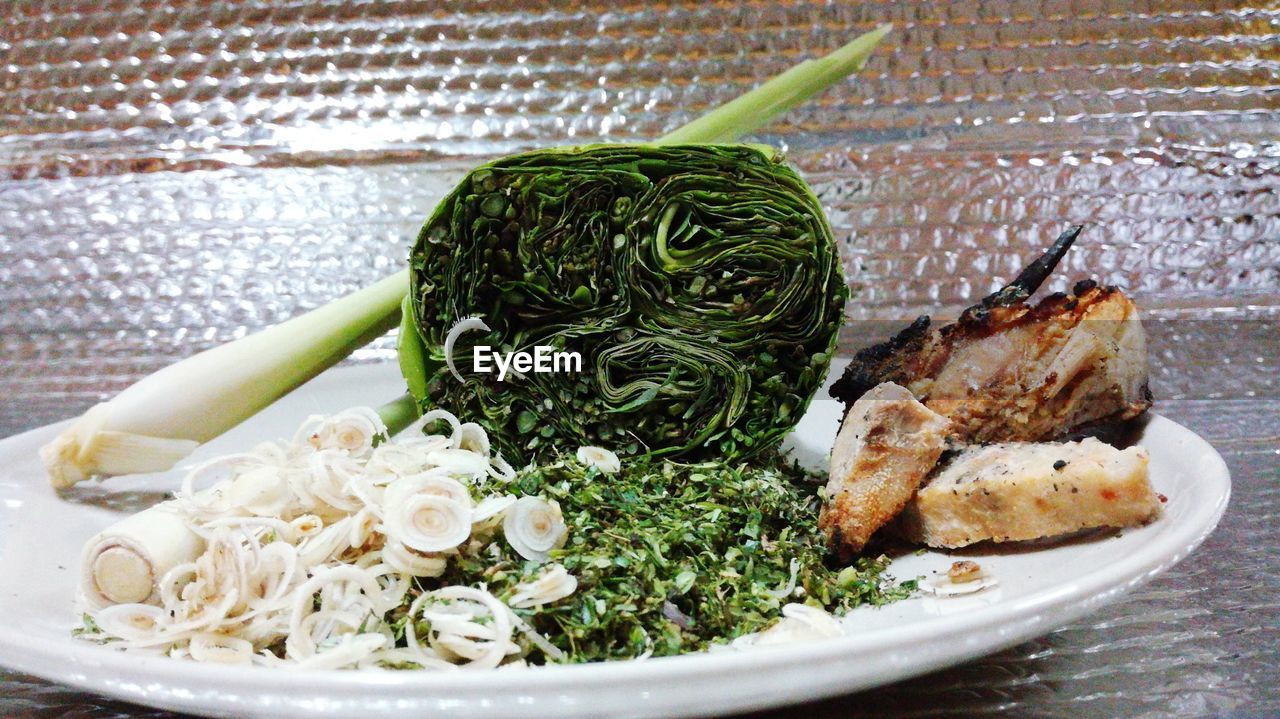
(86, 449)
(161, 418)
(122, 564)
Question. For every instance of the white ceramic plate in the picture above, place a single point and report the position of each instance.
(41, 535)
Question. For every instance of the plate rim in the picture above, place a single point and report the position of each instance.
(163, 682)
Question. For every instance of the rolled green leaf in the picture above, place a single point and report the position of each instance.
(700, 285)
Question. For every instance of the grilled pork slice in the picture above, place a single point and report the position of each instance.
(1019, 491)
(1010, 371)
(886, 446)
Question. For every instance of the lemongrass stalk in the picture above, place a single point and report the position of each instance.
(399, 413)
(121, 564)
(780, 94)
(159, 420)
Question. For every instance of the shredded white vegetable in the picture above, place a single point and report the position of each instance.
(308, 546)
(470, 323)
(555, 583)
(534, 527)
(799, 623)
(600, 458)
(943, 586)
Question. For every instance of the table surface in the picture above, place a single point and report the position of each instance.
(177, 174)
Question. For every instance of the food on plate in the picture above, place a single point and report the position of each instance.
(1006, 372)
(123, 563)
(964, 571)
(672, 558)
(163, 417)
(1020, 491)
(1011, 371)
(699, 284)
(800, 622)
(344, 548)
(961, 579)
(308, 548)
(887, 444)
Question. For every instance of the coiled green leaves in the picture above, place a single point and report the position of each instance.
(699, 283)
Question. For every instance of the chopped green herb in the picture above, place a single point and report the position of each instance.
(671, 558)
(88, 630)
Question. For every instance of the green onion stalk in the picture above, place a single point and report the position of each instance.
(683, 195)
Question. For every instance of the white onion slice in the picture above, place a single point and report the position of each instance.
(352, 431)
(799, 623)
(473, 438)
(533, 527)
(364, 526)
(328, 484)
(785, 590)
(350, 651)
(132, 622)
(501, 470)
(552, 651)
(472, 625)
(326, 544)
(407, 561)
(173, 582)
(299, 643)
(552, 584)
(262, 491)
(427, 483)
(600, 458)
(215, 471)
(491, 507)
(460, 462)
(405, 456)
(464, 325)
(428, 523)
(312, 542)
(220, 649)
(433, 416)
(307, 525)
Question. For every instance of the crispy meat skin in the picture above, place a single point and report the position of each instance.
(885, 448)
(1011, 371)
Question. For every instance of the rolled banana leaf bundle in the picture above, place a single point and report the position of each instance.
(700, 285)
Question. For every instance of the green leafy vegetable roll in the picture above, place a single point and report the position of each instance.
(700, 285)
